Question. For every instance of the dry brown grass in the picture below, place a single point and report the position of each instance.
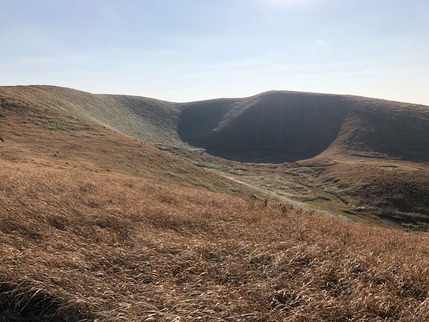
(114, 247)
(78, 242)
(394, 191)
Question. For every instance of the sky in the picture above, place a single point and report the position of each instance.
(186, 50)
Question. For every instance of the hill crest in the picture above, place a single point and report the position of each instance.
(274, 126)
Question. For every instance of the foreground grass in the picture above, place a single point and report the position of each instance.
(85, 246)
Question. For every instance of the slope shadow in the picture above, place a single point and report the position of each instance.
(274, 128)
(28, 304)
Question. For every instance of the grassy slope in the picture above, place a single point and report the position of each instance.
(268, 127)
(394, 191)
(39, 136)
(95, 225)
(143, 118)
(290, 126)
(371, 190)
(385, 129)
(114, 247)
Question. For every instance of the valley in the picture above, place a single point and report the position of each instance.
(339, 153)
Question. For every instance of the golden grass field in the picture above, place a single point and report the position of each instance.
(96, 226)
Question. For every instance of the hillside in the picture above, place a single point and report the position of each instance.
(98, 226)
(366, 158)
(354, 156)
(34, 135)
(272, 127)
(289, 126)
(142, 118)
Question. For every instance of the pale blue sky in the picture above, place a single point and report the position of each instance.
(183, 50)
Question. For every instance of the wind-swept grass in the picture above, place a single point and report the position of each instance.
(116, 247)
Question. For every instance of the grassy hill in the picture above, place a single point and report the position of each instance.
(344, 131)
(274, 127)
(277, 127)
(142, 118)
(366, 158)
(289, 126)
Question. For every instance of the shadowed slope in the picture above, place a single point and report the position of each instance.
(288, 126)
(270, 127)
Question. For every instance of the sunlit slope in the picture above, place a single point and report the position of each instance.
(290, 126)
(143, 118)
(32, 134)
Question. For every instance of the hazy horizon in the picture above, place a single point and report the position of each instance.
(189, 50)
